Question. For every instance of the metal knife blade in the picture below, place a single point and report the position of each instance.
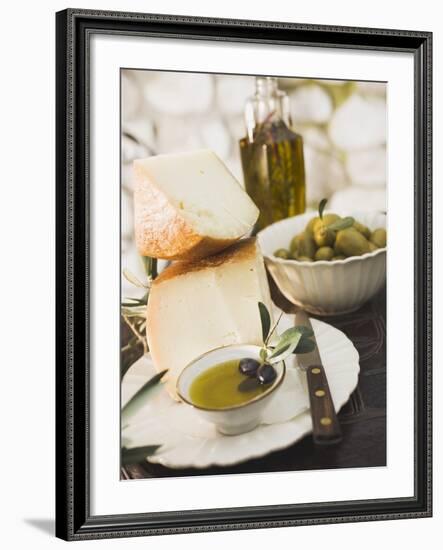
(325, 426)
(305, 360)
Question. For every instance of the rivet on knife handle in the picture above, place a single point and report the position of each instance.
(325, 425)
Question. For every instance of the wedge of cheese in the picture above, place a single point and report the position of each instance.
(194, 307)
(188, 206)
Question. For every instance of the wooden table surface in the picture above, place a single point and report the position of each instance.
(363, 418)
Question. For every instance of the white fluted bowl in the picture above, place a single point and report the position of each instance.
(324, 288)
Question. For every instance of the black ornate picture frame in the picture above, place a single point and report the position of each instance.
(73, 32)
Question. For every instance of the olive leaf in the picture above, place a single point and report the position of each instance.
(134, 302)
(150, 266)
(305, 331)
(131, 302)
(321, 207)
(137, 454)
(305, 345)
(302, 329)
(286, 345)
(274, 327)
(344, 223)
(133, 310)
(133, 279)
(265, 319)
(280, 353)
(291, 335)
(139, 398)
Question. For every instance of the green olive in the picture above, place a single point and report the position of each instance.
(323, 236)
(372, 247)
(324, 253)
(306, 245)
(304, 259)
(328, 219)
(293, 247)
(378, 237)
(362, 229)
(310, 225)
(351, 243)
(337, 252)
(282, 253)
(339, 257)
(318, 223)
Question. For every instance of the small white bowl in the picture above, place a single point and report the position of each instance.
(238, 418)
(324, 288)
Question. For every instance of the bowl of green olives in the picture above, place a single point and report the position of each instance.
(328, 263)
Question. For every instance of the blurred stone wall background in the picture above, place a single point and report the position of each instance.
(343, 124)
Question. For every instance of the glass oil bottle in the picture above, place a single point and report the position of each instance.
(272, 155)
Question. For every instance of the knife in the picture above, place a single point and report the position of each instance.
(325, 426)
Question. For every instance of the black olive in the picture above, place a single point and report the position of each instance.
(248, 366)
(266, 374)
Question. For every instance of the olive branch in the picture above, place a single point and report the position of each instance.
(295, 340)
(133, 315)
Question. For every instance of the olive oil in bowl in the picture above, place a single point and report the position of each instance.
(210, 384)
(218, 387)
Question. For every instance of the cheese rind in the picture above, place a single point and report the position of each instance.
(188, 206)
(195, 307)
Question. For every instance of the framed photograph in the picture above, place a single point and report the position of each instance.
(243, 274)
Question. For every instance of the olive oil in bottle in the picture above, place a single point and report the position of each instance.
(272, 155)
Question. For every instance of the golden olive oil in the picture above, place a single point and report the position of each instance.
(217, 387)
(274, 173)
(272, 155)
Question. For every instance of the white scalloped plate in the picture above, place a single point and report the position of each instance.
(190, 442)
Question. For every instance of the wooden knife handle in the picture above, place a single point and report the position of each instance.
(325, 425)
